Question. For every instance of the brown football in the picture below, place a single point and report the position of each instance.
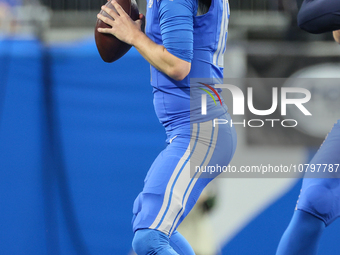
(109, 47)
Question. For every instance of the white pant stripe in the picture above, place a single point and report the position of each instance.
(192, 184)
(172, 179)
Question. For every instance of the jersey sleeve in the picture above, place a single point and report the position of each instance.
(319, 16)
(176, 19)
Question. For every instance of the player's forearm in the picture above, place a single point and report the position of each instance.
(336, 35)
(160, 58)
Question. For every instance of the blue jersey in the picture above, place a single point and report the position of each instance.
(204, 41)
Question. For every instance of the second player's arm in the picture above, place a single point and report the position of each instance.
(336, 35)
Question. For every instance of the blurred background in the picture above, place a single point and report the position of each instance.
(77, 135)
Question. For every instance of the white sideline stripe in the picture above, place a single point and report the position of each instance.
(184, 179)
(220, 38)
(206, 162)
(172, 179)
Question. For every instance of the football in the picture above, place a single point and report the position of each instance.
(109, 47)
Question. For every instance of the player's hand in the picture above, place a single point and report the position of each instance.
(336, 35)
(122, 26)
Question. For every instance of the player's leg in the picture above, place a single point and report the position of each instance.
(214, 145)
(319, 201)
(180, 244)
(151, 242)
(302, 235)
(216, 148)
(149, 239)
(161, 209)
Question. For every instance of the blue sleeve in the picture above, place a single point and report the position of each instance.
(176, 19)
(319, 16)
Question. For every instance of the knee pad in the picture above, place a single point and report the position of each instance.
(319, 200)
(149, 241)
